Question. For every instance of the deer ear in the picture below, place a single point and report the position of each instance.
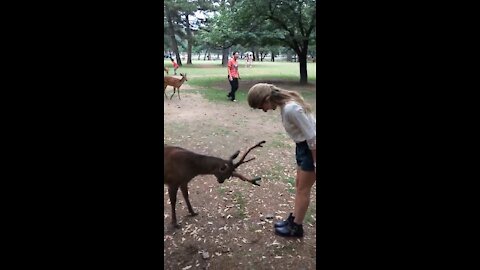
(234, 156)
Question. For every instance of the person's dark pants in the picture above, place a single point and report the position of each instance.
(234, 85)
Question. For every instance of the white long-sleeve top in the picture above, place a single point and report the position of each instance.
(299, 125)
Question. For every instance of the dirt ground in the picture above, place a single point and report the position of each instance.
(234, 228)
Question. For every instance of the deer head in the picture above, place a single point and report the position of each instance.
(184, 75)
(227, 170)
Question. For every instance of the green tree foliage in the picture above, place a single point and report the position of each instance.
(290, 22)
(178, 26)
(223, 32)
(265, 26)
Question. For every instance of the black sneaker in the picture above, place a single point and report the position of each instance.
(284, 222)
(293, 230)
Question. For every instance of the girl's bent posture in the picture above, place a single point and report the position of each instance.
(300, 124)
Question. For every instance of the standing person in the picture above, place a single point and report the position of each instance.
(233, 75)
(175, 66)
(250, 59)
(300, 125)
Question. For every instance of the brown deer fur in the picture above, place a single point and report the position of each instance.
(181, 166)
(176, 83)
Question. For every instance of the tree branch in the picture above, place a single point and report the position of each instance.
(312, 23)
(300, 22)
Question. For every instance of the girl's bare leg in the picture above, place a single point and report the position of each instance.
(303, 186)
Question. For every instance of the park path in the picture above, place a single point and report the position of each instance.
(232, 230)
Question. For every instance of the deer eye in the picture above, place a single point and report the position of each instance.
(224, 167)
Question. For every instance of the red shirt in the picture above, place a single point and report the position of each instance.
(233, 68)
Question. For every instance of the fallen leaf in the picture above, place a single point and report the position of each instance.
(205, 255)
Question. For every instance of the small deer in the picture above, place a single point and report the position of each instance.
(176, 83)
(181, 166)
(165, 69)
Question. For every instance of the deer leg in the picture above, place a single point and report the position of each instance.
(178, 90)
(165, 87)
(172, 193)
(184, 189)
(173, 93)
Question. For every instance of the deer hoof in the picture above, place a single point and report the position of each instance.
(193, 214)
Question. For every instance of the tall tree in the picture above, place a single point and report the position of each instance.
(191, 24)
(223, 32)
(293, 24)
(171, 19)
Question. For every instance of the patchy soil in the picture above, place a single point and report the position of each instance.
(232, 230)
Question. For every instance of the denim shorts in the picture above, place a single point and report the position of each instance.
(303, 154)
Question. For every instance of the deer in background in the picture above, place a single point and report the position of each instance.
(176, 83)
(180, 166)
(165, 69)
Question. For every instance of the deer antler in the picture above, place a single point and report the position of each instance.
(246, 153)
(253, 181)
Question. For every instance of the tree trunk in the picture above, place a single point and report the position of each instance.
(172, 36)
(224, 57)
(189, 41)
(273, 57)
(205, 55)
(302, 59)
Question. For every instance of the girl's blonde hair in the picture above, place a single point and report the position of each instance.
(261, 91)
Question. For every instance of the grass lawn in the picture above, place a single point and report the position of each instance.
(208, 77)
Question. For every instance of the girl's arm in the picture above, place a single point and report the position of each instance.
(300, 119)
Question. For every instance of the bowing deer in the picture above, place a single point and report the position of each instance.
(176, 83)
(180, 166)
